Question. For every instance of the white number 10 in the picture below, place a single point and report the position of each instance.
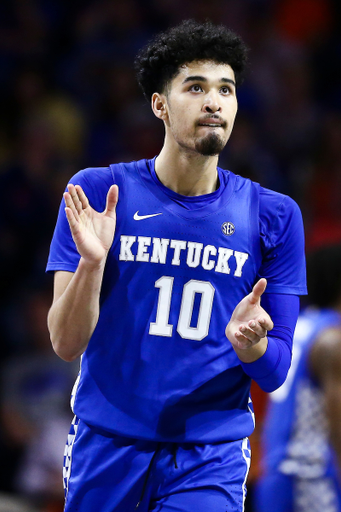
(161, 327)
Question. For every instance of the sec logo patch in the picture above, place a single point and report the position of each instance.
(228, 228)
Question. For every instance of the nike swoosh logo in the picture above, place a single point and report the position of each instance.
(141, 217)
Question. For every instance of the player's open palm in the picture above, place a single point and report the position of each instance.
(92, 231)
(249, 322)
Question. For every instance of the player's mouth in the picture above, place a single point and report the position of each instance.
(212, 122)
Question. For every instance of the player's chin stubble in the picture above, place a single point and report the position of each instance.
(210, 145)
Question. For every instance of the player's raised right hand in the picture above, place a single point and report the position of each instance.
(92, 231)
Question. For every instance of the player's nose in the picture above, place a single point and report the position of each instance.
(211, 104)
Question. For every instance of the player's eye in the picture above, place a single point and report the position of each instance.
(225, 90)
(195, 88)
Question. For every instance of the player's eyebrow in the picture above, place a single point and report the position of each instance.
(199, 78)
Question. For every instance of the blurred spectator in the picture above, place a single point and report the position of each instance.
(302, 435)
(36, 385)
(10, 504)
(323, 187)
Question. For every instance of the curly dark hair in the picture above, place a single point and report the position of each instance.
(160, 60)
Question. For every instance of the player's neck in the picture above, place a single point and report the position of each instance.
(187, 173)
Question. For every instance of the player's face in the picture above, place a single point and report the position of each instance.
(201, 106)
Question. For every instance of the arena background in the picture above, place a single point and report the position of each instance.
(69, 100)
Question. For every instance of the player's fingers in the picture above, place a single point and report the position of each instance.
(82, 197)
(251, 334)
(73, 223)
(112, 199)
(74, 196)
(70, 204)
(266, 323)
(243, 341)
(258, 290)
(260, 330)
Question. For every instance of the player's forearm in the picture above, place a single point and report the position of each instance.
(73, 317)
(270, 370)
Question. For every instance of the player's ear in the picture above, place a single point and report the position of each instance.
(159, 106)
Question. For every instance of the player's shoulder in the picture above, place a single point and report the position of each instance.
(95, 181)
(240, 183)
(90, 175)
(271, 203)
(276, 202)
(278, 211)
(101, 177)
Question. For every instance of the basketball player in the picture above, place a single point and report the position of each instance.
(153, 260)
(302, 435)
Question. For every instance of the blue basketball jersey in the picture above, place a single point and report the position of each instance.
(158, 365)
(295, 436)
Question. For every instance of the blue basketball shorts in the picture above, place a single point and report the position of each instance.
(107, 473)
(277, 492)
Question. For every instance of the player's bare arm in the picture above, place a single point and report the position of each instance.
(75, 309)
(325, 363)
(249, 324)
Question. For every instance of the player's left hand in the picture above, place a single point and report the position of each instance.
(249, 323)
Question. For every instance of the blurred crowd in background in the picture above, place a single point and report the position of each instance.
(69, 100)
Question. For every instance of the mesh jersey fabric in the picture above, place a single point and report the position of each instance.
(158, 365)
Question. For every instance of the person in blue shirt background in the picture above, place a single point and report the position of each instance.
(160, 267)
(302, 435)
